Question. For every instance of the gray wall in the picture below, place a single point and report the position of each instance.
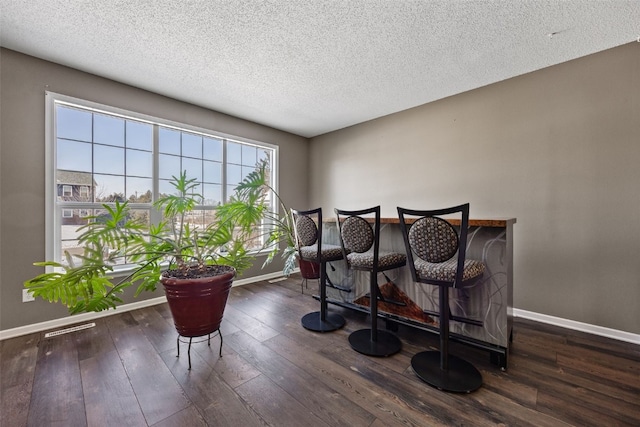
(558, 149)
(23, 82)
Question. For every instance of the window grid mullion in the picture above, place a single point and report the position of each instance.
(155, 214)
(224, 169)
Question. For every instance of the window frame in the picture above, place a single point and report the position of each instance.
(83, 191)
(54, 206)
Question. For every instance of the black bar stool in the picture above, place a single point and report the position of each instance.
(361, 246)
(435, 242)
(308, 230)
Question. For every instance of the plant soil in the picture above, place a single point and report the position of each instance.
(197, 271)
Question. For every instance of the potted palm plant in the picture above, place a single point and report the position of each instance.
(195, 264)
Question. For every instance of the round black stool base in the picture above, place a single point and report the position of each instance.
(313, 322)
(461, 377)
(386, 344)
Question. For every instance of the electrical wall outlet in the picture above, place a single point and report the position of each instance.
(26, 296)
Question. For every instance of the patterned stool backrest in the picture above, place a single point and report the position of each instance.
(307, 230)
(433, 239)
(357, 234)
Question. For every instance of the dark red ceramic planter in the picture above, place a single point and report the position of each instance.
(197, 305)
(309, 269)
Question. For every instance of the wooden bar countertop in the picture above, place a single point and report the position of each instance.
(493, 222)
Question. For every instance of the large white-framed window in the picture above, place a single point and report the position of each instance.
(97, 154)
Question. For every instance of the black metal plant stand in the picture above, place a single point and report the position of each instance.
(178, 341)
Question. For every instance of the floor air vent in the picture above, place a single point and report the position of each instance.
(68, 330)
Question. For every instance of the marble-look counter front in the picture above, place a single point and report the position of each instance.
(488, 303)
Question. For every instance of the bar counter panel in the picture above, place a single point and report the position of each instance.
(488, 304)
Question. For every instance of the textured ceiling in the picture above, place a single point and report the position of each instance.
(313, 66)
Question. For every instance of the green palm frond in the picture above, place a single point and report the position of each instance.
(254, 182)
(96, 303)
(216, 237)
(242, 215)
(236, 256)
(289, 255)
(147, 278)
(174, 205)
(72, 285)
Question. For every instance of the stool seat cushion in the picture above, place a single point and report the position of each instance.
(329, 252)
(385, 260)
(446, 271)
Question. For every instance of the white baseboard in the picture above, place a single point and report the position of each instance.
(543, 318)
(268, 276)
(578, 326)
(77, 318)
(84, 317)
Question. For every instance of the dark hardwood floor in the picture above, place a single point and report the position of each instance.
(124, 372)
